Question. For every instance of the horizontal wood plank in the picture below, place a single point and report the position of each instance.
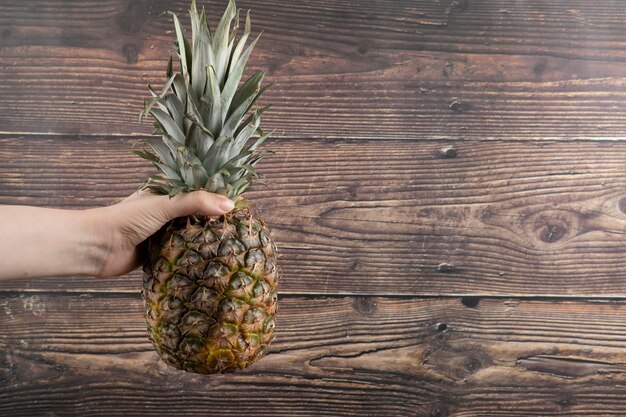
(393, 69)
(78, 354)
(390, 217)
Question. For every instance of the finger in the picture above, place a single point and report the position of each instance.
(185, 204)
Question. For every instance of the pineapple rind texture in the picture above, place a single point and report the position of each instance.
(210, 292)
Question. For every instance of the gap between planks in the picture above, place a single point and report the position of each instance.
(339, 138)
(295, 294)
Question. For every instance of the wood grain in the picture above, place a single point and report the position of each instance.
(447, 193)
(84, 354)
(394, 69)
(386, 217)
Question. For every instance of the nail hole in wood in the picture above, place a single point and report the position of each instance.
(448, 152)
(470, 301)
(445, 268)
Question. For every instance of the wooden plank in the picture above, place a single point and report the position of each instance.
(402, 69)
(78, 354)
(386, 217)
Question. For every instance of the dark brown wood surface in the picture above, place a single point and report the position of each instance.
(334, 356)
(448, 194)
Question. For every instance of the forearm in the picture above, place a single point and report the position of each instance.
(39, 242)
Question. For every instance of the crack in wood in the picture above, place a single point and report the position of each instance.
(568, 366)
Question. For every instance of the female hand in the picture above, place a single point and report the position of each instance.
(37, 242)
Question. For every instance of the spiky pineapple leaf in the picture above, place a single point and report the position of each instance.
(234, 120)
(260, 140)
(241, 44)
(175, 108)
(215, 182)
(203, 111)
(179, 87)
(220, 42)
(248, 119)
(234, 78)
(169, 172)
(184, 51)
(169, 125)
(203, 54)
(248, 89)
(163, 151)
(218, 154)
(146, 155)
(215, 120)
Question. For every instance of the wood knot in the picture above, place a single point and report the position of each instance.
(540, 67)
(362, 50)
(460, 5)
(553, 225)
(131, 53)
(552, 232)
(438, 411)
(472, 364)
(131, 19)
(364, 305)
(565, 402)
(622, 205)
(442, 327)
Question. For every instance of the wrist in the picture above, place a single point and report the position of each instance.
(95, 243)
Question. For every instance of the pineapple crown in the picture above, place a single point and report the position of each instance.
(203, 114)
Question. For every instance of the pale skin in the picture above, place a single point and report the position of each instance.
(103, 242)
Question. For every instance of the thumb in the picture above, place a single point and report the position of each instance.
(197, 202)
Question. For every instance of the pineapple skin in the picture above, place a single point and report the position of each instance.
(210, 291)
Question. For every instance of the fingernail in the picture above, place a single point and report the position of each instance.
(226, 204)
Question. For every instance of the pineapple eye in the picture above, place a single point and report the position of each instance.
(265, 240)
(230, 247)
(236, 282)
(227, 306)
(269, 324)
(214, 269)
(261, 288)
(239, 280)
(253, 257)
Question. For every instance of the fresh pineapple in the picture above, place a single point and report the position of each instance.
(209, 285)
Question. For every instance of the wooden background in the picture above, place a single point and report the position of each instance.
(448, 193)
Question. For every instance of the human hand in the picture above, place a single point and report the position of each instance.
(102, 242)
(121, 228)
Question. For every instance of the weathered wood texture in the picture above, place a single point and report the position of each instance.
(392, 69)
(423, 151)
(388, 217)
(340, 356)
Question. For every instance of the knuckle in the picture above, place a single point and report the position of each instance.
(202, 200)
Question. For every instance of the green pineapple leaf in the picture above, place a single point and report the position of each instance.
(184, 51)
(233, 80)
(221, 42)
(169, 126)
(215, 120)
(204, 113)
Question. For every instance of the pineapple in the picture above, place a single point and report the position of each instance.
(209, 284)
